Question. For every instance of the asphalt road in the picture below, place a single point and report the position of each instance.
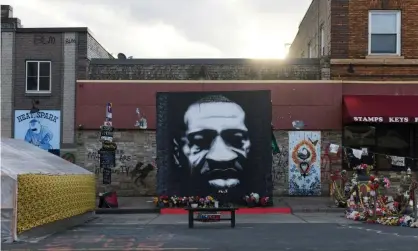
(300, 232)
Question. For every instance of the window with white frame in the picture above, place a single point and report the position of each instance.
(322, 40)
(384, 32)
(38, 76)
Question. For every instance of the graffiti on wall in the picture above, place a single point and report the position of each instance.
(304, 163)
(280, 168)
(69, 157)
(212, 141)
(127, 164)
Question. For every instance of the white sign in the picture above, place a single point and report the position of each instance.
(107, 123)
(106, 138)
(333, 148)
(368, 119)
(386, 119)
(364, 151)
(357, 153)
(398, 119)
(42, 129)
(398, 161)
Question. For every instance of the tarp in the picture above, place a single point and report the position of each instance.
(19, 157)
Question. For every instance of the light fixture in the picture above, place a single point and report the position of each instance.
(298, 124)
(34, 108)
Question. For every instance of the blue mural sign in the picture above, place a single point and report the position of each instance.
(42, 129)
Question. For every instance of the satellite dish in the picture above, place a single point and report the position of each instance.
(121, 56)
(298, 124)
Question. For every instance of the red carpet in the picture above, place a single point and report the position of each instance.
(255, 210)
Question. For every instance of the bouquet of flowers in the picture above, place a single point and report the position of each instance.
(264, 201)
(375, 184)
(252, 200)
(162, 201)
(363, 168)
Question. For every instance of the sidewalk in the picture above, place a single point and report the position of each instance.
(134, 205)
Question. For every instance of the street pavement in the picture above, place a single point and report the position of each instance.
(298, 232)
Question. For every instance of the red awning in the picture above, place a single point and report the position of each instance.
(381, 109)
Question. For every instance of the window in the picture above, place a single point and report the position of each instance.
(322, 41)
(383, 140)
(38, 76)
(385, 32)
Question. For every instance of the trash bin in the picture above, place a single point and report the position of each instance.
(108, 200)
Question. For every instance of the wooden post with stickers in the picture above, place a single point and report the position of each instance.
(108, 151)
(107, 155)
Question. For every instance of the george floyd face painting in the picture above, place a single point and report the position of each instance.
(211, 141)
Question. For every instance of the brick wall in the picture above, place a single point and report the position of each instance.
(318, 14)
(95, 50)
(140, 146)
(133, 147)
(359, 19)
(7, 63)
(28, 49)
(340, 32)
(377, 72)
(349, 39)
(82, 60)
(213, 69)
(69, 81)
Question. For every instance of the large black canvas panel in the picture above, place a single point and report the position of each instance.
(210, 141)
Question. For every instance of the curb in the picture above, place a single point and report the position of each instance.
(158, 210)
(319, 210)
(128, 211)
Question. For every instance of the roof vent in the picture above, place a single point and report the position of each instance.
(121, 56)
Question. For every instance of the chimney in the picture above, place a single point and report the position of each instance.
(6, 11)
(7, 19)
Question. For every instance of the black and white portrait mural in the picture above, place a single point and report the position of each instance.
(211, 141)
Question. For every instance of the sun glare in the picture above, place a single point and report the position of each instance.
(266, 46)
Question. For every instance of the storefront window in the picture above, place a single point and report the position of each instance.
(393, 140)
(385, 140)
(358, 137)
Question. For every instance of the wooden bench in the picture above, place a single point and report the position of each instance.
(192, 219)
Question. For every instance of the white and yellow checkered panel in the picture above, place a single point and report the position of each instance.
(42, 199)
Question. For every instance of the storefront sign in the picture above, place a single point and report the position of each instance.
(386, 119)
(41, 129)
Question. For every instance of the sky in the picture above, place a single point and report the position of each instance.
(175, 28)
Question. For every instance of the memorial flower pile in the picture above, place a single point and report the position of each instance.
(369, 203)
(254, 200)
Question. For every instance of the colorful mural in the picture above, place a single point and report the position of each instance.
(211, 141)
(305, 163)
(42, 129)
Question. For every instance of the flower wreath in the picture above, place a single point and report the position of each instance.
(298, 146)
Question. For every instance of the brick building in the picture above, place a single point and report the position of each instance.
(39, 68)
(324, 106)
(363, 39)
